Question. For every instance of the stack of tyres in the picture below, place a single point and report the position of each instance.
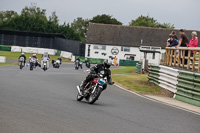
(138, 68)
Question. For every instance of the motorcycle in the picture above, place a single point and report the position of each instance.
(76, 65)
(87, 63)
(32, 63)
(45, 63)
(21, 60)
(92, 90)
(81, 64)
(56, 64)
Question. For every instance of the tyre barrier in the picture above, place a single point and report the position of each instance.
(188, 87)
(138, 68)
(185, 85)
(2, 59)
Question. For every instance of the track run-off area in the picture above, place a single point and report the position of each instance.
(45, 102)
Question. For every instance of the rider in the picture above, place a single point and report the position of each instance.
(87, 63)
(60, 59)
(35, 57)
(96, 70)
(77, 59)
(46, 55)
(23, 55)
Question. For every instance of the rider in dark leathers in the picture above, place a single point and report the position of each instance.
(23, 55)
(96, 70)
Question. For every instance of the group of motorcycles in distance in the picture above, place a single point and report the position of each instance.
(79, 63)
(34, 62)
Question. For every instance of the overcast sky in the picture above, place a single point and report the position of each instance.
(182, 13)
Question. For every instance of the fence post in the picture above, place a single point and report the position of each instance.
(193, 63)
(171, 55)
(188, 63)
(183, 59)
(179, 57)
(166, 56)
(175, 54)
(199, 62)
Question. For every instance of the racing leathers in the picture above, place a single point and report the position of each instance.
(99, 68)
(23, 57)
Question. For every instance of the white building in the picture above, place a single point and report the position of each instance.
(104, 41)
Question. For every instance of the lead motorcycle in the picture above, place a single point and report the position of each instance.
(21, 62)
(93, 89)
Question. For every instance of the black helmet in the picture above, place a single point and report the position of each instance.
(107, 63)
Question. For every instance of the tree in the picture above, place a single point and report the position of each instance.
(147, 21)
(80, 25)
(34, 19)
(105, 19)
(54, 18)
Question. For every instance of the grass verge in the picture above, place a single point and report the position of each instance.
(129, 79)
(15, 55)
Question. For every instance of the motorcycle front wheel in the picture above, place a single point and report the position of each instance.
(31, 67)
(94, 96)
(20, 66)
(79, 97)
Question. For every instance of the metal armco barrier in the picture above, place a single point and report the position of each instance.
(164, 77)
(185, 85)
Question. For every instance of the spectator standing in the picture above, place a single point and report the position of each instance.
(115, 60)
(183, 42)
(174, 34)
(193, 41)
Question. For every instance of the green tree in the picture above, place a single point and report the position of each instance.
(34, 19)
(147, 21)
(80, 25)
(105, 19)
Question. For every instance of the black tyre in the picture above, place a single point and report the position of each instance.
(31, 67)
(93, 97)
(79, 97)
(21, 66)
(45, 68)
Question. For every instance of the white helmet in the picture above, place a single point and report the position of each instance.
(22, 53)
(34, 54)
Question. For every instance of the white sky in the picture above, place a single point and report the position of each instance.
(182, 13)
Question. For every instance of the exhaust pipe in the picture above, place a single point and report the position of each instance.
(79, 91)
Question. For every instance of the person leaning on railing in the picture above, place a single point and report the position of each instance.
(173, 42)
(193, 42)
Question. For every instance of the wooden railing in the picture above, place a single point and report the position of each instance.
(177, 57)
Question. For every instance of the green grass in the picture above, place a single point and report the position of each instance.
(128, 78)
(15, 55)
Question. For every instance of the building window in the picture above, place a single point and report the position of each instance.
(100, 47)
(125, 49)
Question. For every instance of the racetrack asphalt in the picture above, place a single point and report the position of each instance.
(45, 102)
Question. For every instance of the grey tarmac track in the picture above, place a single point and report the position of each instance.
(45, 102)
